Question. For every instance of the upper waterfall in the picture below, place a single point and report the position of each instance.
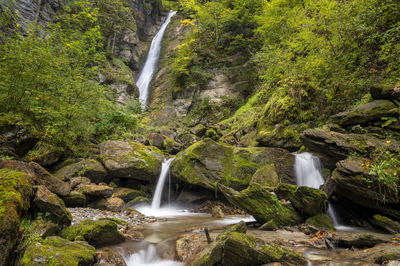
(148, 70)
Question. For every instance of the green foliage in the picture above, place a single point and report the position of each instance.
(385, 166)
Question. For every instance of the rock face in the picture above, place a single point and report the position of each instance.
(127, 194)
(58, 251)
(89, 168)
(97, 233)
(385, 92)
(15, 194)
(386, 224)
(55, 185)
(263, 205)
(47, 202)
(354, 183)
(366, 113)
(207, 163)
(237, 248)
(128, 159)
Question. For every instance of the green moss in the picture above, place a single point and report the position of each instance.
(320, 221)
(385, 257)
(117, 71)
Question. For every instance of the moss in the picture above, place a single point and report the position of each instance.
(117, 71)
(320, 221)
(266, 176)
(239, 228)
(386, 223)
(385, 257)
(102, 232)
(58, 251)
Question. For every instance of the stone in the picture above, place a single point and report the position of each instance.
(365, 113)
(216, 212)
(109, 204)
(89, 168)
(75, 199)
(308, 201)
(390, 92)
(55, 185)
(199, 130)
(75, 181)
(269, 226)
(171, 146)
(97, 233)
(44, 155)
(18, 166)
(45, 201)
(320, 222)
(156, 139)
(138, 200)
(128, 159)
(55, 250)
(207, 163)
(286, 137)
(15, 194)
(43, 229)
(262, 205)
(96, 191)
(127, 194)
(360, 240)
(386, 224)
(107, 256)
(266, 176)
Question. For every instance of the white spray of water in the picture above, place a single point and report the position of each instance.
(147, 73)
(149, 257)
(308, 173)
(156, 202)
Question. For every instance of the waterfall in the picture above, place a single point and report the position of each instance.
(147, 73)
(308, 173)
(156, 201)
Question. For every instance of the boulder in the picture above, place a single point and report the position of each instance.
(75, 181)
(207, 163)
(55, 185)
(96, 191)
(128, 159)
(89, 168)
(263, 205)
(97, 233)
(43, 229)
(127, 194)
(58, 251)
(15, 194)
(171, 146)
(385, 92)
(320, 222)
(138, 200)
(199, 130)
(217, 212)
(45, 201)
(18, 166)
(156, 139)
(360, 240)
(109, 204)
(286, 137)
(44, 154)
(75, 199)
(266, 176)
(308, 201)
(354, 182)
(386, 224)
(107, 256)
(365, 113)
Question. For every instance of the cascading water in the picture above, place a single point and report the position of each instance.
(156, 202)
(308, 173)
(147, 73)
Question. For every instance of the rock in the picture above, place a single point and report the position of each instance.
(366, 113)
(44, 154)
(386, 224)
(207, 163)
(128, 159)
(353, 182)
(199, 130)
(216, 212)
(109, 204)
(127, 194)
(55, 185)
(97, 233)
(18, 166)
(269, 226)
(75, 181)
(107, 256)
(75, 199)
(238, 228)
(58, 251)
(43, 229)
(266, 176)
(385, 92)
(89, 168)
(320, 222)
(308, 201)
(138, 200)
(47, 202)
(15, 194)
(287, 137)
(188, 139)
(15, 141)
(96, 191)
(262, 205)
(358, 240)
(156, 139)
(171, 146)
(241, 249)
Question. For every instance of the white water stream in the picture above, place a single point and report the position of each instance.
(150, 65)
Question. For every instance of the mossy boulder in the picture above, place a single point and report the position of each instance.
(199, 130)
(138, 200)
(97, 233)
(109, 204)
(89, 168)
(107, 256)
(96, 191)
(386, 224)
(75, 199)
(281, 137)
(127, 194)
(208, 163)
(308, 201)
(43, 229)
(320, 222)
(45, 201)
(54, 184)
(128, 159)
(15, 194)
(263, 205)
(266, 176)
(58, 251)
(44, 154)
(381, 91)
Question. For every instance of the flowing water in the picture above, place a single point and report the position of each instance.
(156, 202)
(150, 65)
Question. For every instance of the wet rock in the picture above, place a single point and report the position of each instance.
(385, 92)
(262, 205)
(75, 199)
(58, 251)
(55, 185)
(109, 204)
(47, 202)
(74, 182)
(268, 226)
(97, 233)
(127, 194)
(319, 222)
(386, 224)
(207, 162)
(308, 201)
(96, 191)
(360, 240)
(89, 168)
(15, 191)
(216, 212)
(138, 200)
(128, 159)
(107, 256)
